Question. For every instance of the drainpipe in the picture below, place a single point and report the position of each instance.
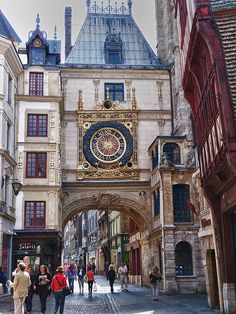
(171, 103)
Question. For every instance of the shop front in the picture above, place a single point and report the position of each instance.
(42, 248)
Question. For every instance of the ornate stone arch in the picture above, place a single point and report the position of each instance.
(131, 204)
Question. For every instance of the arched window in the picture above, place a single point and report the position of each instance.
(156, 201)
(180, 200)
(183, 259)
(172, 151)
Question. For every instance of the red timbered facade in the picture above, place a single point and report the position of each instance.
(208, 81)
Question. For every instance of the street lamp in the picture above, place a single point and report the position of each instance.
(16, 185)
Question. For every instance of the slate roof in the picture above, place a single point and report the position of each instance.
(226, 23)
(89, 50)
(218, 5)
(7, 30)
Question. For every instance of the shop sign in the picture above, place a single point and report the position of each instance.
(27, 247)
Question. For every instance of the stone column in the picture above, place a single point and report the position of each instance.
(170, 284)
(146, 260)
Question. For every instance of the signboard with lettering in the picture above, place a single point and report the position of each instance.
(27, 248)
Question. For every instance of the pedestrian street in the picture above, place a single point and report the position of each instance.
(136, 300)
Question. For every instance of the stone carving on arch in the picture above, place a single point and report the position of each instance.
(128, 204)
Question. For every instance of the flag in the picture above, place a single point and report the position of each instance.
(191, 207)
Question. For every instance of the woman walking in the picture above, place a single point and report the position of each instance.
(81, 274)
(155, 278)
(42, 286)
(111, 275)
(90, 280)
(71, 276)
(57, 286)
(20, 288)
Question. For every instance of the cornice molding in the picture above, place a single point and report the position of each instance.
(9, 51)
(33, 99)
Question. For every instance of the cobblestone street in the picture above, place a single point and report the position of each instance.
(136, 300)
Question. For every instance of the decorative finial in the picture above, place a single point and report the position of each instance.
(55, 32)
(37, 22)
(130, 6)
(88, 2)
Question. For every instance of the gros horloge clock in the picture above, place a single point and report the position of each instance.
(108, 144)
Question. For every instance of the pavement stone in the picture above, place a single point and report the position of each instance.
(137, 300)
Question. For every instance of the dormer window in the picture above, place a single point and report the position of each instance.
(37, 56)
(113, 48)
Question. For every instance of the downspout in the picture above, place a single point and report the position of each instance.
(171, 103)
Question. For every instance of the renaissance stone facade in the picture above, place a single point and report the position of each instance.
(109, 130)
(10, 69)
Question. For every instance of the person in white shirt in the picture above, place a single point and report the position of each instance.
(122, 272)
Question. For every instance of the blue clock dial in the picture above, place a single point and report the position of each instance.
(108, 143)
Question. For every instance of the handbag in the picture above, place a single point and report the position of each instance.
(66, 290)
(94, 287)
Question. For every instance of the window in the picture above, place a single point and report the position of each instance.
(156, 201)
(114, 91)
(37, 56)
(37, 125)
(36, 84)
(183, 259)
(34, 214)
(113, 48)
(154, 158)
(8, 134)
(9, 91)
(114, 57)
(36, 165)
(172, 151)
(180, 199)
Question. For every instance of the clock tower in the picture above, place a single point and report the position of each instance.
(109, 141)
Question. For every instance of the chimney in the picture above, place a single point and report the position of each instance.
(68, 18)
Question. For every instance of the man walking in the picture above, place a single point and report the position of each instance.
(29, 298)
(122, 272)
(20, 288)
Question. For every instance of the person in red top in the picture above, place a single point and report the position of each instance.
(90, 279)
(57, 286)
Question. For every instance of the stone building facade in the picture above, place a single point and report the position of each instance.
(39, 109)
(108, 130)
(141, 111)
(10, 70)
(205, 39)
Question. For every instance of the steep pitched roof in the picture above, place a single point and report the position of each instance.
(218, 5)
(226, 23)
(119, 25)
(7, 30)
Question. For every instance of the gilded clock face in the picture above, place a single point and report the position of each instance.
(37, 42)
(108, 144)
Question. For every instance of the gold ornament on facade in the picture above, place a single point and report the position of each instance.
(134, 101)
(94, 173)
(80, 102)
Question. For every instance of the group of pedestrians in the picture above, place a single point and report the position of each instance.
(26, 283)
